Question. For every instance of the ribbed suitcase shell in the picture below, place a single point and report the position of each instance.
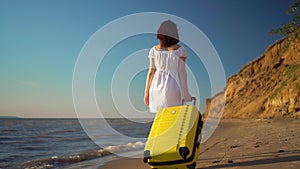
(174, 138)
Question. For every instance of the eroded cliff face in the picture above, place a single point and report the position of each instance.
(268, 87)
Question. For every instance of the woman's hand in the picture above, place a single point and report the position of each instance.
(186, 96)
(150, 76)
(146, 99)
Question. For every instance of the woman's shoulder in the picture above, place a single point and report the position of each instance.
(178, 50)
(170, 48)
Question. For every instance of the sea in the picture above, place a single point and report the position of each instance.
(69, 143)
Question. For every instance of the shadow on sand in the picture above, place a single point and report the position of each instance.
(253, 160)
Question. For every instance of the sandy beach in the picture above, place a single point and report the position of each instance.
(247, 144)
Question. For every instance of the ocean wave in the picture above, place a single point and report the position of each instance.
(13, 141)
(8, 130)
(73, 138)
(30, 148)
(60, 161)
(45, 136)
(125, 147)
(61, 131)
(10, 137)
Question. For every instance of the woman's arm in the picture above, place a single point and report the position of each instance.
(183, 79)
(150, 75)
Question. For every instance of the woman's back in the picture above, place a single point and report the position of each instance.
(165, 90)
(166, 60)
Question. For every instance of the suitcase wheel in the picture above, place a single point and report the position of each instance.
(184, 151)
(147, 156)
(192, 166)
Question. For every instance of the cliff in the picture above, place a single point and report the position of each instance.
(267, 87)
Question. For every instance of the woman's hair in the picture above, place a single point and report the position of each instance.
(167, 33)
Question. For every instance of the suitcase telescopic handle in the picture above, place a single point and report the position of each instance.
(193, 100)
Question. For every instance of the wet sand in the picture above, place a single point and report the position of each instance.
(247, 144)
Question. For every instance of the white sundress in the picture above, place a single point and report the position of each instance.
(165, 89)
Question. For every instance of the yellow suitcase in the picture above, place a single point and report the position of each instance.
(174, 138)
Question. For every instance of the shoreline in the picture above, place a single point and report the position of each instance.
(249, 144)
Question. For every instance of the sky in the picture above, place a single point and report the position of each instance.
(41, 41)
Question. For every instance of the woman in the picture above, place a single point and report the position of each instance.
(166, 83)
